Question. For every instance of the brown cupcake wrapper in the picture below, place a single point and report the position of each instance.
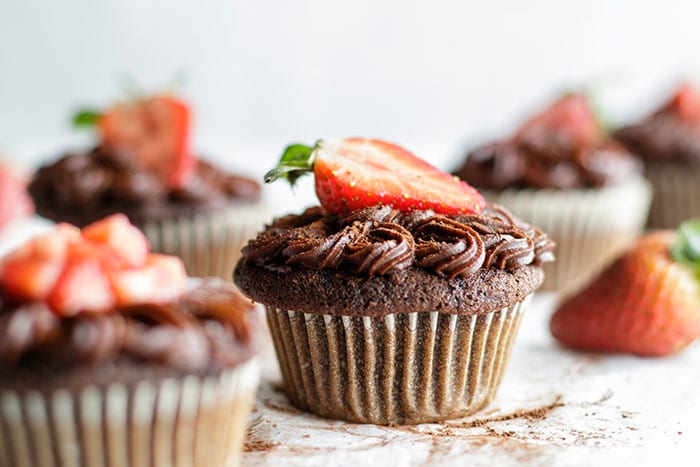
(189, 421)
(590, 227)
(399, 368)
(676, 195)
(209, 244)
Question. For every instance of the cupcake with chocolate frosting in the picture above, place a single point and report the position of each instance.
(560, 171)
(144, 167)
(108, 356)
(398, 299)
(668, 141)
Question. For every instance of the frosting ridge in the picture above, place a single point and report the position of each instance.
(379, 240)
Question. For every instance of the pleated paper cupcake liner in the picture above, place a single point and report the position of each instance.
(676, 195)
(209, 244)
(189, 421)
(590, 227)
(400, 368)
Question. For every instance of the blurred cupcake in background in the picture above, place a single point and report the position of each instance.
(15, 202)
(668, 141)
(143, 166)
(561, 172)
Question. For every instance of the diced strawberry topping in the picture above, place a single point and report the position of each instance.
(30, 278)
(160, 279)
(155, 131)
(82, 287)
(118, 234)
(106, 265)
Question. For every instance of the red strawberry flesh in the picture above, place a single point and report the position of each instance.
(155, 131)
(106, 265)
(356, 173)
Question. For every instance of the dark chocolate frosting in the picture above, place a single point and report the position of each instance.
(82, 188)
(547, 161)
(209, 326)
(663, 138)
(379, 240)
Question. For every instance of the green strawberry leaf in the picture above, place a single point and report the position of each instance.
(86, 118)
(297, 160)
(686, 248)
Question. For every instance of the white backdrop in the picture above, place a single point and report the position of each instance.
(434, 76)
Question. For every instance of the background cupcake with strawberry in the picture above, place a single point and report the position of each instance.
(561, 172)
(668, 141)
(398, 299)
(144, 166)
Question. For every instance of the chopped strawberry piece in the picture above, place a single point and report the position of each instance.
(356, 173)
(30, 279)
(570, 116)
(15, 202)
(161, 279)
(117, 234)
(156, 132)
(83, 286)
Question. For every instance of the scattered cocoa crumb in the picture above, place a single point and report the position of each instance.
(537, 413)
(258, 445)
(281, 408)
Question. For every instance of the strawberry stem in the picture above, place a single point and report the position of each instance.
(297, 160)
(86, 118)
(686, 248)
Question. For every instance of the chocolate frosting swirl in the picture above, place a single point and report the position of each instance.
(209, 325)
(379, 240)
(663, 138)
(81, 188)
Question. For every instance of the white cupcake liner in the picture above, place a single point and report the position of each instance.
(210, 243)
(590, 227)
(676, 195)
(190, 421)
(399, 368)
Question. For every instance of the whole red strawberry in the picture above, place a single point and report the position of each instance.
(356, 173)
(647, 302)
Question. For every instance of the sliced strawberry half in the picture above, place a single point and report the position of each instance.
(570, 116)
(356, 173)
(154, 130)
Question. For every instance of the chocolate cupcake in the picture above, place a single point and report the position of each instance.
(562, 173)
(668, 141)
(185, 206)
(392, 313)
(111, 358)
